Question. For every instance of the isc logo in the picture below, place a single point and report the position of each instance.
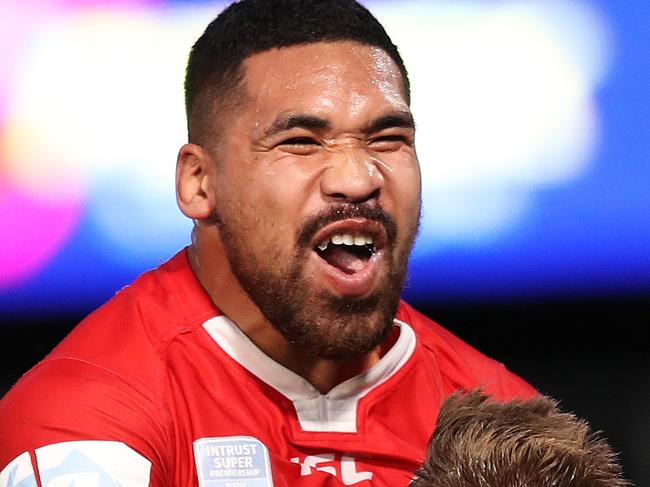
(345, 469)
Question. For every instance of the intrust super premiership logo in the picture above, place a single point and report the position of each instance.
(232, 461)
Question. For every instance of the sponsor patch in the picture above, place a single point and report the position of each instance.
(232, 461)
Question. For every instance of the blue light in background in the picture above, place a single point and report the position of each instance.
(533, 137)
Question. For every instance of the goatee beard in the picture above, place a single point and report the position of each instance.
(321, 325)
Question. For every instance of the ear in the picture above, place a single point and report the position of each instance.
(195, 173)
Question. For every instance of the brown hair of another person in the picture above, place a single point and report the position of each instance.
(522, 443)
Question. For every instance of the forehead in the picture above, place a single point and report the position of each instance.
(324, 76)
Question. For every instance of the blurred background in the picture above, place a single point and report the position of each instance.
(533, 135)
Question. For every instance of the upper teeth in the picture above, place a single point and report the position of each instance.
(347, 239)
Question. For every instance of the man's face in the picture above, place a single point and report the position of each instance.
(318, 193)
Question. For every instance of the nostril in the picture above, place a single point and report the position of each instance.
(350, 198)
(374, 195)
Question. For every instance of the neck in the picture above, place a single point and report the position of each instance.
(324, 374)
(212, 268)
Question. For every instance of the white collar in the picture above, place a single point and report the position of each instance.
(334, 411)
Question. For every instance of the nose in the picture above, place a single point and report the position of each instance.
(352, 176)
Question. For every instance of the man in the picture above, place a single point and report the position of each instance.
(480, 443)
(275, 349)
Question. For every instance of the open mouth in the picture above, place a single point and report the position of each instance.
(348, 252)
(350, 245)
(349, 255)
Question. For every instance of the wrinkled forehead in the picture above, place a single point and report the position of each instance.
(328, 72)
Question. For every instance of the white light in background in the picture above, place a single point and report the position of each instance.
(503, 95)
(502, 91)
(96, 112)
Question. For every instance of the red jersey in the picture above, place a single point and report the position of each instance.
(158, 388)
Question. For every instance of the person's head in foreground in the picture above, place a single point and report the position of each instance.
(300, 173)
(480, 443)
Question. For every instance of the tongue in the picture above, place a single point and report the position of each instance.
(340, 257)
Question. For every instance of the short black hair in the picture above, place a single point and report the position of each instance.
(249, 27)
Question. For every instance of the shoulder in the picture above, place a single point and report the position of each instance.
(66, 411)
(105, 380)
(130, 333)
(461, 364)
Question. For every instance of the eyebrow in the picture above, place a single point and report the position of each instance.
(398, 119)
(293, 120)
(313, 122)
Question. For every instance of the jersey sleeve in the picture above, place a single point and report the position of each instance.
(464, 366)
(70, 422)
(510, 386)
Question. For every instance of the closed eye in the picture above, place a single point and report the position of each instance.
(299, 145)
(299, 141)
(390, 142)
(390, 138)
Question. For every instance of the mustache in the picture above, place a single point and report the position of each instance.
(344, 211)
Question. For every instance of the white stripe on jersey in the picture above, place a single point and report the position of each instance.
(335, 411)
(19, 473)
(80, 464)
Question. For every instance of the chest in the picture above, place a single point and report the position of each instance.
(231, 429)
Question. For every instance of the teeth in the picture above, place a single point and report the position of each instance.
(347, 239)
